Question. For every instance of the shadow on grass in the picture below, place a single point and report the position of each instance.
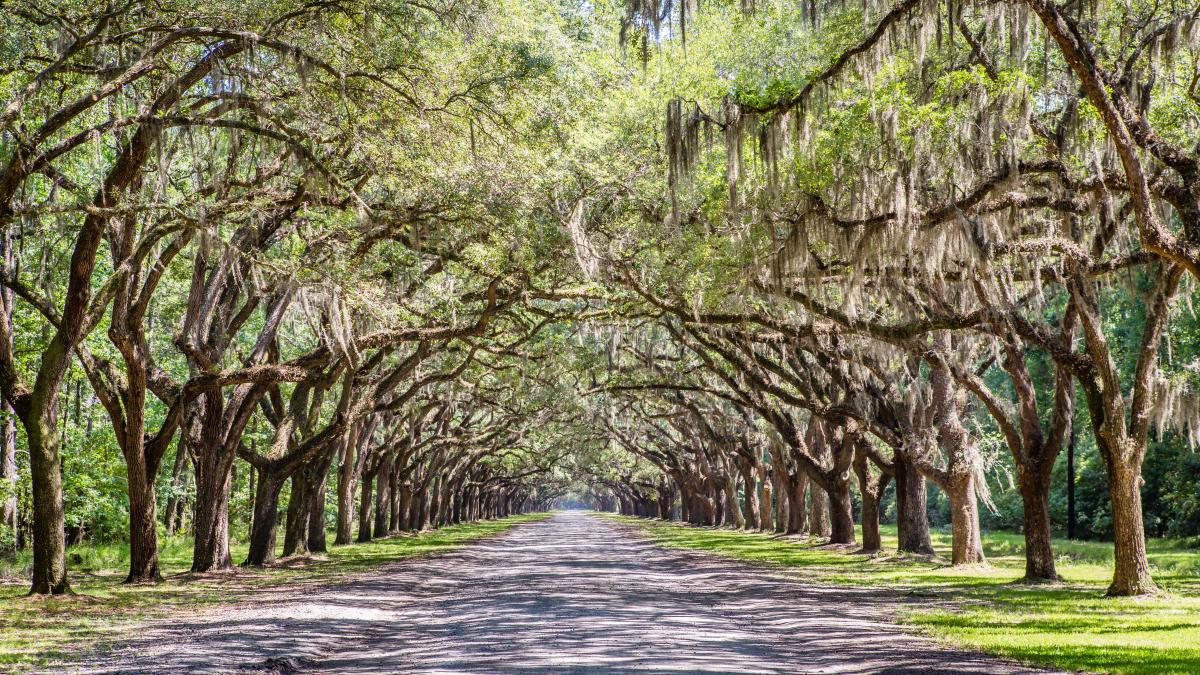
(1067, 625)
(36, 630)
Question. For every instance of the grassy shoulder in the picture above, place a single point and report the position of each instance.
(1069, 625)
(36, 631)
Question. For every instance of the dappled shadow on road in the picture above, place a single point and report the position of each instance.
(574, 594)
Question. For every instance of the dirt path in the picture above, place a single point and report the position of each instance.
(571, 594)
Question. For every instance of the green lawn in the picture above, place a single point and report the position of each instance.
(39, 630)
(1067, 625)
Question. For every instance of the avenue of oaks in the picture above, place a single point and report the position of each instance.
(377, 266)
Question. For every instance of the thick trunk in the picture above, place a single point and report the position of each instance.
(733, 514)
(1039, 552)
(912, 519)
(266, 518)
(415, 508)
(383, 492)
(315, 491)
(212, 462)
(405, 505)
(665, 499)
(750, 489)
(1131, 570)
(685, 503)
(49, 543)
(395, 503)
(365, 504)
(347, 478)
(143, 524)
(764, 500)
(210, 551)
(872, 542)
(446, 502)
(316, 515)
(295, 535)
(966, 544)
(432, 502)
(841, 512)
(797, 509)
(703, 509)
(870, 491)
(781, 488)
(818, 511)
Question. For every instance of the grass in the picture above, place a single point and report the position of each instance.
(1069, 625)
(36, 631)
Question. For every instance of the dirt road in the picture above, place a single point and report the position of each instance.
(572, 594)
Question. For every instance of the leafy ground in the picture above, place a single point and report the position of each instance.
(37, 630)
(1069, 625)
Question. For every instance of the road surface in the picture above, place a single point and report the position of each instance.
(575, 593)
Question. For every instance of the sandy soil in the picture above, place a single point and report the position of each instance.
(572, 594)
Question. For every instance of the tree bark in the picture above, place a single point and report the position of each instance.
(365, 504)
(295, 536)
(912, 518)
(797, 508)
(733, 513)
(143, 524)
(871, 491)
(210, 551)
(212, 462)
(782, 497)
(49, 543)
(818, 511)
(1131, 570)
(841, 512)
(8, 425)
(765, 507)
(750, 489)
(316, 513)
(8, 470)
(266, 518)
(1039, 552)
(967, 545)
(347, 479)
(383, 491)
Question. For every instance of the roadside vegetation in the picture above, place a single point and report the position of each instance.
(1067, 625)
(37, 631)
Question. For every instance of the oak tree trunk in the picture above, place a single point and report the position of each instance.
(143, 522)
(841, 512)
(967, 546)
(912, 518)
(365, 505)
(49, 542)
(266, 518)
(1131, 570)
(1039, 553)
(295, 535)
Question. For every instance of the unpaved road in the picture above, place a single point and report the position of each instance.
(571, 594)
